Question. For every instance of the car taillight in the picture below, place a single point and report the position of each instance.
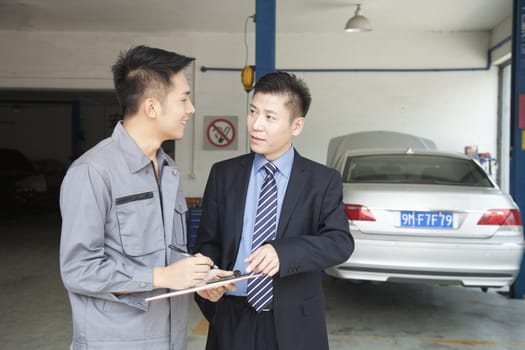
(501, 217)
(358, 212)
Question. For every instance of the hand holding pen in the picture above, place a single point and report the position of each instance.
(185, 253)
(183, 273)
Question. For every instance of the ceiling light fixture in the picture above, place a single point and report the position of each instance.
(358, 23)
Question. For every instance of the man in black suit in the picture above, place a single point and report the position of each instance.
(307, 225)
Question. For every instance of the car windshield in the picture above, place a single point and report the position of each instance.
(414, 169)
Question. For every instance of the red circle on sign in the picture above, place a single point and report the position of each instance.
(219, 135)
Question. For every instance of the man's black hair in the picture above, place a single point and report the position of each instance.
(142, 70)
(285, 83)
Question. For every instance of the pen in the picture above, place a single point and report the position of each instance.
(185, 253)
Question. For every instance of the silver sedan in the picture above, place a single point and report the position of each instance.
(427, 216)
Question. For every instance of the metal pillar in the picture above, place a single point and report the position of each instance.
(517, 167)
(264, 37)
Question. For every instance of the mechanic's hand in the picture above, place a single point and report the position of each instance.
(264, 260)
(184, 273)
(217, 274)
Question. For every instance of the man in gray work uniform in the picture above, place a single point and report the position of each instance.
(122, 206)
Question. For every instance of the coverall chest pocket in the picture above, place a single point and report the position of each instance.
(140, 223)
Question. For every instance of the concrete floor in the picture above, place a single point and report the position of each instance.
(35, 314)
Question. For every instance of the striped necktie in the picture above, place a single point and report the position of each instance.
(260, 290)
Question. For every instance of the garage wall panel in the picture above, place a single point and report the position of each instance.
(437, 105)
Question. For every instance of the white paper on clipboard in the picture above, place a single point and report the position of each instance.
(208, 285)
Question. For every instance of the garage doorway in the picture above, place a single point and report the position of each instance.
(51, 128)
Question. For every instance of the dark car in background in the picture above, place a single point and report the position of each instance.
(21, 185)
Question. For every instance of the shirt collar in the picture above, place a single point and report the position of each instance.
(283, 163)
(133, 154)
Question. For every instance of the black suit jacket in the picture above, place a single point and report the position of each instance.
(312, 234)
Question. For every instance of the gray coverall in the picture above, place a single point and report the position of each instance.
(117, 222)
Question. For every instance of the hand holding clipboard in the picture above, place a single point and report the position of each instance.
(237, 276)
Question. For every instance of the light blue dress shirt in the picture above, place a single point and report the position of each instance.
(282, 176)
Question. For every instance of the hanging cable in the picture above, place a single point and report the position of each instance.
(247, 76)
(245, 39)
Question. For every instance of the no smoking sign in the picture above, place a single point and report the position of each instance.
(220, 133)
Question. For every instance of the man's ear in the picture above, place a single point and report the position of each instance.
(297, 126)
(151, 107)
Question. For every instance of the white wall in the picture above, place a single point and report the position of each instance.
(437, 105)
(453, 108)
(499, 34)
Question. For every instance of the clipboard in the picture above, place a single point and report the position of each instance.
(208, 285)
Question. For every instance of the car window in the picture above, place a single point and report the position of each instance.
(414, 169)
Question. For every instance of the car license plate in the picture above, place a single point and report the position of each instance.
(429, 219)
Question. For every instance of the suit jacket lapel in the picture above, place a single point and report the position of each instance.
(296, 186)
(242, 177)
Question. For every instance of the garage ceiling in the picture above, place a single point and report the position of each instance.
(229, 15)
